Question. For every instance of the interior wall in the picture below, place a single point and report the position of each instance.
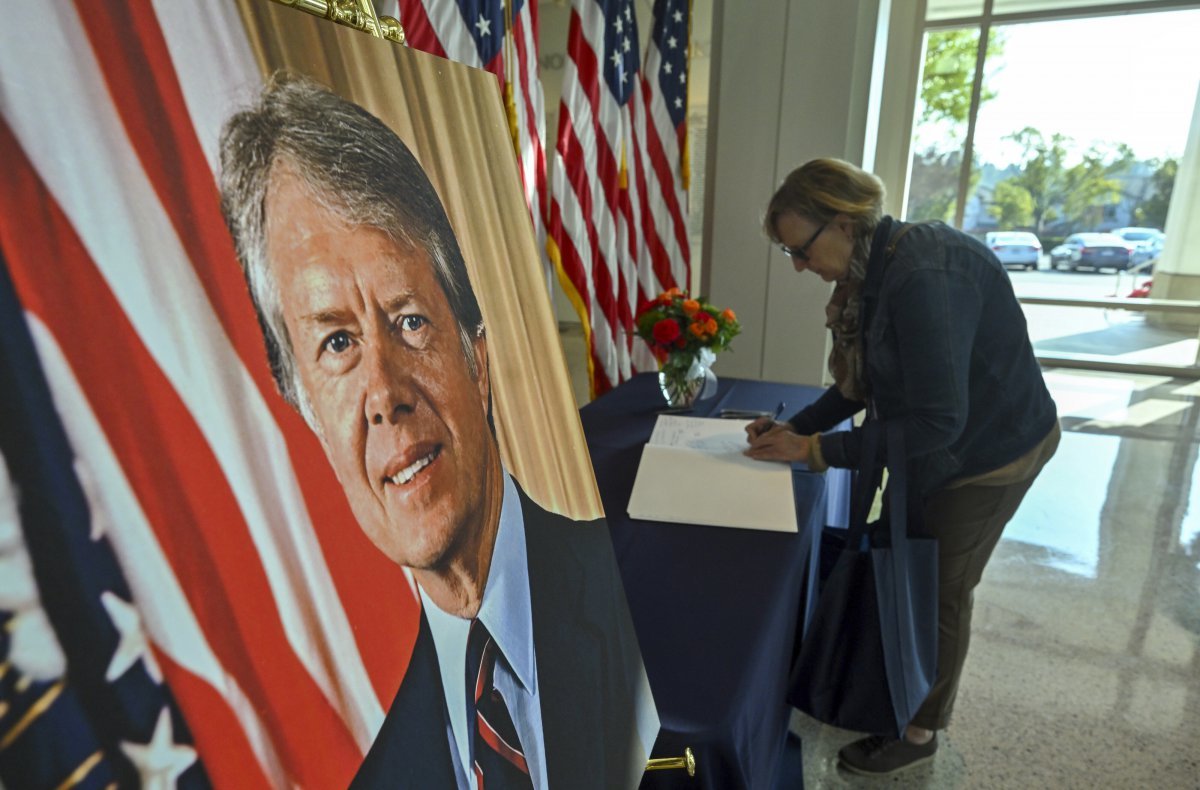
(786, 87)
(889, 129)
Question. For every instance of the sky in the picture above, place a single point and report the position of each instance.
(1130, 79)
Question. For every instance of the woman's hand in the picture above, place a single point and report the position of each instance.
(764, 425)
(778, 443)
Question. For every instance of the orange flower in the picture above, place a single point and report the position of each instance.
(690, 307)
(710, 327)
(669, 295)
(728, 315)
(698, 329)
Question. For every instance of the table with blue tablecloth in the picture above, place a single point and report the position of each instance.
(716, 610)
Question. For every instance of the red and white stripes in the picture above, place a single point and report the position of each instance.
(258, 590)
(618, 204)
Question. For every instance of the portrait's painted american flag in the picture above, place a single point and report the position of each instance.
(193, 601)
(618, 193)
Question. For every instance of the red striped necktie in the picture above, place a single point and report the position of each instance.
(499, 759)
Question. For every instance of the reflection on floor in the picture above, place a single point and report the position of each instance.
(1114, 335)
(1084, 668)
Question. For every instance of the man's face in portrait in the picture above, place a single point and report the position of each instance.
(378, 351)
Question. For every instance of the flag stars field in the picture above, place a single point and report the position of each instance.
(161, 761)
(133, 645)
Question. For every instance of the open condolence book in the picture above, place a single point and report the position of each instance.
(693, 472)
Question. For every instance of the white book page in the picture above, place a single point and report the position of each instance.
(693, 471)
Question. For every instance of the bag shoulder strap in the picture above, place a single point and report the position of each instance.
(891, 248)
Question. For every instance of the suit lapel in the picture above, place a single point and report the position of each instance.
(568, 648)
(412, 749)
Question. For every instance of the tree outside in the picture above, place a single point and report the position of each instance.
(947, 77)
(1044, 180)
(1058, 182)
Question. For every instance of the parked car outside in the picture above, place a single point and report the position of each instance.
(1015, 248)
(1091, 250)
(1147, 243)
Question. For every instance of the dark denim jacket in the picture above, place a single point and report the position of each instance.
(947, 351)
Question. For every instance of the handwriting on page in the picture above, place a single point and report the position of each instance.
(714, 437)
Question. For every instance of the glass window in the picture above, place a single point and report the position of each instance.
(937, 10)
(1070, 138)
(943, 107)
(1028, 6)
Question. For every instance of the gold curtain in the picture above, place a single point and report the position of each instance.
(453, 119)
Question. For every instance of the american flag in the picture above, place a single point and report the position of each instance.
(500, 36)
(618, 193)
(198, 604)
(65, 602)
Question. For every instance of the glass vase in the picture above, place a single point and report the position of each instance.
(683, 378)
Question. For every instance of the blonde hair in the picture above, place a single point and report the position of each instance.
(820, 189)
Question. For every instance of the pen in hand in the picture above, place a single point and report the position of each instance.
(764, 424)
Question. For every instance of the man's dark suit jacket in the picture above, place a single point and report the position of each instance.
(590, 673)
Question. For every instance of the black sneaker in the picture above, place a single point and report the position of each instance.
(880, 755)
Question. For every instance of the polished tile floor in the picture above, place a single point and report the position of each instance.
(1084, 668)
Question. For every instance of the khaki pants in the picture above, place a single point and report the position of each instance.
(967, 518)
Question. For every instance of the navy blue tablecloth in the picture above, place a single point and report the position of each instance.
(716, 610)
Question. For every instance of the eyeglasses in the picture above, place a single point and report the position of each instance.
(802, 251)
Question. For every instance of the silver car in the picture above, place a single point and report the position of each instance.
(1146, 243)
(1015, 248)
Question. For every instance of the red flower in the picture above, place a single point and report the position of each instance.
(701, 317)
(666, 331)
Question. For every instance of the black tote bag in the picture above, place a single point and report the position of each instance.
(868, 654)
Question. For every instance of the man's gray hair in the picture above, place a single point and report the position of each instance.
(354, 166)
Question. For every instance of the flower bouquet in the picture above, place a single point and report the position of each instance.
(685, 335)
